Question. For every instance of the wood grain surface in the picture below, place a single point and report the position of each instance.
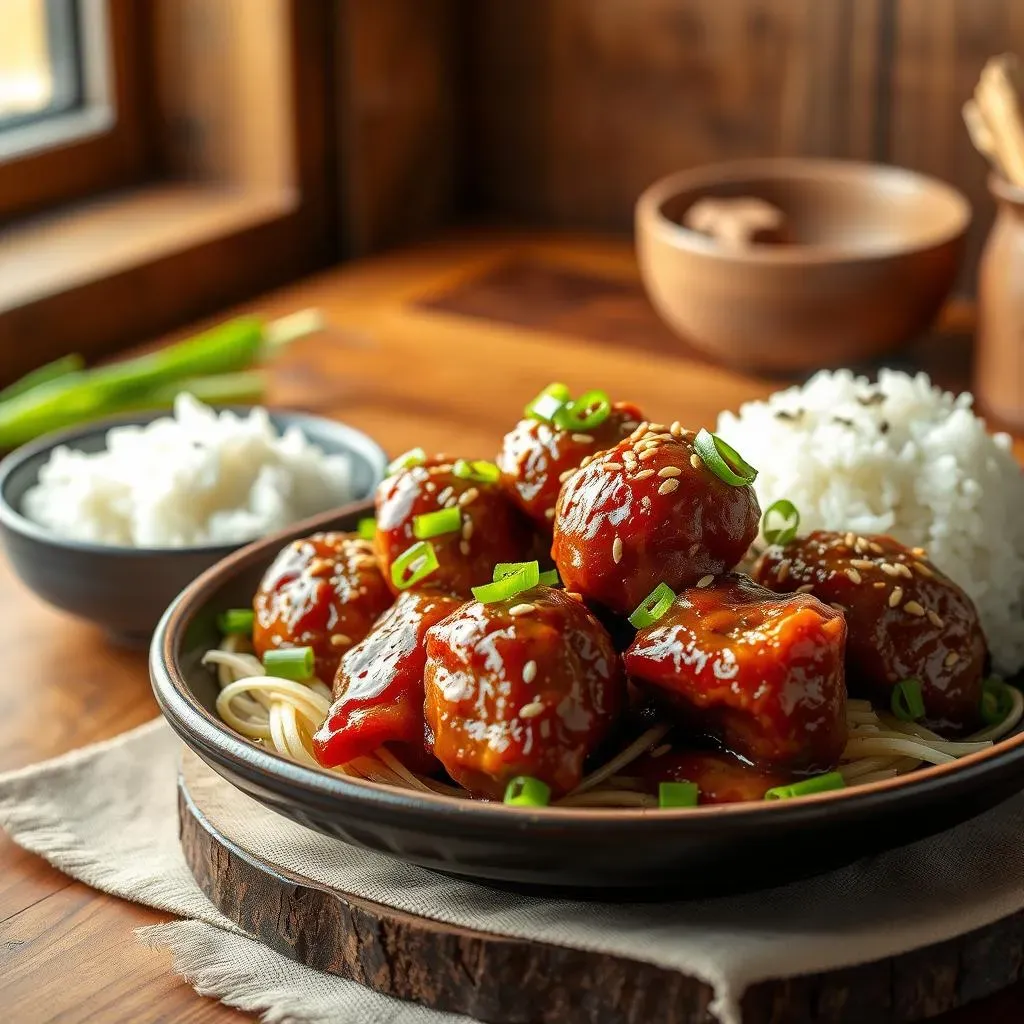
(400, 361)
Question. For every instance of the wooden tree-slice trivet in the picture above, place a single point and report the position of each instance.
(504, 980)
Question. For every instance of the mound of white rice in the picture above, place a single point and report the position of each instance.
(904, 458)
(199, 477)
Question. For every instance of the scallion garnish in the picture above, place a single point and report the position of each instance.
(516, 578)
(550, 578)
(477, 469)
(815, 784)
(547, 404)
(433, 524)
(907, 703)
(367, 528)
(526, 791)
(996, 702)
(236, 621)
(790, 516)
(419, 561)
(653, 606)
(678, 794)
(584, 413)
(290, 663)
(723, 460)
(413, 457)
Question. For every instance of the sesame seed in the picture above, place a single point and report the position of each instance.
(705, 581)
(340, 640)
(639, 432)
(913, 608)
(881, 584)
(919, 552)
(320, 567)
(661, 750)
(549, 513)
(895, 597)
(861, 547)
(676, 429)
(445, 495)
(644, 474)
(696, 461)
(617, 550)
(862, 563)
(430, 487)
(851, 539)
(923, 570)
(468, 497)
(951, 659)
(648, 454)
(838, 607)
(645, 501)
(529, 671)
(531, 710)
(805, 589)
(667, 471)
(782, 570)
(935, 619)
(889, 569)
(562, 477)
(853, 576)
(586, 461)
(521, 609)
(903, 570)
(657, 428)
(669, 486)
(613, 467)
(694, 548)
(467, 529)
(876, 548)
(583, 438)
(464, 547)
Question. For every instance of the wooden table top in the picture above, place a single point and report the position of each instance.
(436, 346)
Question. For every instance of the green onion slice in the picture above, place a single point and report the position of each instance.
(367, 528)
(236, 621)
(677, 794)
(514, 579)
(550, 578)
(723, 460)
(996, 701)
(290, 663)
(586, 412)
(419, 561)
(790, 516)
(433, 524)
(815, 784)
(526, 791)
(548, 403)
(413, 457)
(653, 606)
(479, 469)
(907, 703)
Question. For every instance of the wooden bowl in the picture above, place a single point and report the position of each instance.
(594, 851)
(875, 252)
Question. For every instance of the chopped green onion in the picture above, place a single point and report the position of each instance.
(791, 522)
(290, 663)
(413, 457)
(526, 791)
(479, 469)
(584, 413)
(516, 579)
(420, 561)
(547, 404)
(367, 528)
(433, 524)
(550, 578)
(906, 702)
(723, 460)
(236, 621)
(43, 375)
(996, 701)
(816, 784)
(653, 606)
(678, 794)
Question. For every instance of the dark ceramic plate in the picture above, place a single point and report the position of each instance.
(698, 851)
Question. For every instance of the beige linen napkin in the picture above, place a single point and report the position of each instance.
(107, 816)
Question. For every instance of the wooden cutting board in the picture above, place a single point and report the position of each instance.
(501, 980)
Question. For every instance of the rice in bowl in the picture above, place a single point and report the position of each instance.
(905, 458)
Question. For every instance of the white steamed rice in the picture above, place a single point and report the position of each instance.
(904, 458)
(196, 478)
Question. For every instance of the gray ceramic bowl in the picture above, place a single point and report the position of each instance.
(126, 590)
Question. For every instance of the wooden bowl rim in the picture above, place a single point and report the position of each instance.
(197, 726)
(650, 216)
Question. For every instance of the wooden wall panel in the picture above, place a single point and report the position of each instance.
(575, 106)
(939, 48)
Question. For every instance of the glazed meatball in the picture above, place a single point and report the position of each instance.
(905, 619)
(324, 592)
(526, 686)
(537, 457)
(490, 530)
(378, 688)
(760, 672)
(648, 511)
(721, 778)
